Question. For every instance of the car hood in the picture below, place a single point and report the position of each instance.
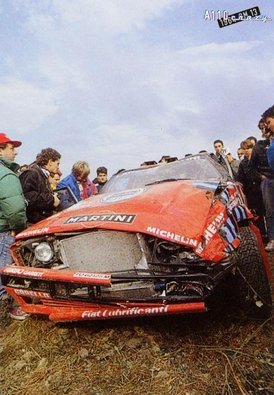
(174, 210)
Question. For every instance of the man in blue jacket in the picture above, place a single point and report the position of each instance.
(260, 162)
(269, 120)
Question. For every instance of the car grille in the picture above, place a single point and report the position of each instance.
(102, 251)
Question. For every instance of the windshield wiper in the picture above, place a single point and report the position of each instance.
(167, 180)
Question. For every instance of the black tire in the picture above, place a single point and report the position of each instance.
(250, 278)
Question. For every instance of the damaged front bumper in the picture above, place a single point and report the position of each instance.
(77, 295)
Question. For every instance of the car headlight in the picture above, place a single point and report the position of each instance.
(43, 252)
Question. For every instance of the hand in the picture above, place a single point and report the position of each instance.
(12, 233)
(56, 200)
(229, 157)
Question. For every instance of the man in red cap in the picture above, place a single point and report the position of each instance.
(12, 203)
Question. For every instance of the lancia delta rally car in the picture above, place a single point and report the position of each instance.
(159, 240)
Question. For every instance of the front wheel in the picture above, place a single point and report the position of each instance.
(250, 278)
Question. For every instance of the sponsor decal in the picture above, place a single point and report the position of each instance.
(119, 196)
(199, 249)
(35, 232)
(213, 227)
(210, 231)
(229, 231)
(13, 270)
(172, 236)
(23, 272)
(96, 276)
(34, 294)
(133, 311)
(121, 218)
(239, 213)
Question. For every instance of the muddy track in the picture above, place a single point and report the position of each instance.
(220, 352)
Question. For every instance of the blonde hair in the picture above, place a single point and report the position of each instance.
(247, 144)
(81, 168)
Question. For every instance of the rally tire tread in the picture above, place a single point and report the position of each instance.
(252, 285)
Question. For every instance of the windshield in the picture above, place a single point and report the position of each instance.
(198, 167)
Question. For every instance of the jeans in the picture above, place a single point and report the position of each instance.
(6, 240)
(267, 187)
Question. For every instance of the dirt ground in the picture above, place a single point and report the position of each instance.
(220, 352)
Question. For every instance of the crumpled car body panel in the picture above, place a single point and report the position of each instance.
(157, 248)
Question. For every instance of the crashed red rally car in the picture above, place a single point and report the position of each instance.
(159, 240)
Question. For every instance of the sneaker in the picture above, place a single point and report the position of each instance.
(265, 239)
(270, 246)
(18, 314)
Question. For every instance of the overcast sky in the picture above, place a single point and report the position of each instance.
(118, 82)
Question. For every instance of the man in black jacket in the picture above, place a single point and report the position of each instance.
(221, 157)
(41, 201)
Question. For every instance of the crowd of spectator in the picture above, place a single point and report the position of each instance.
(29, 193)
(254, 169)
